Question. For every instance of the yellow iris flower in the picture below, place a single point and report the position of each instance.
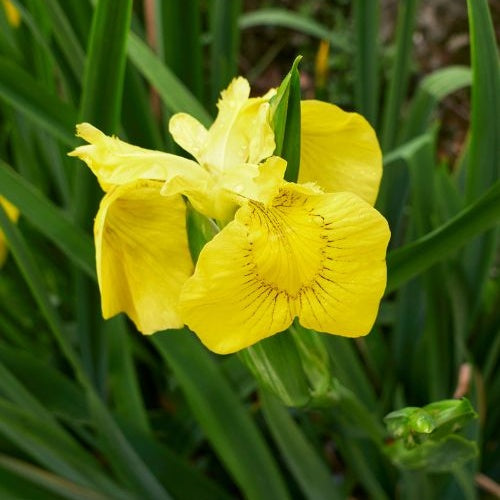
(313, 250)
(13, 214)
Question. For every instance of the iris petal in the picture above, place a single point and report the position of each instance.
(241, 133)
(339, 151)
(142, 254)
(320, 257)
(189, 134)
(116, 162)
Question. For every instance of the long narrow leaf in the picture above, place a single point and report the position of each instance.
(366, 80)
(179, 25)
(310, 472)
(483, 160)
(435, 329)
(22, 91)
(418, 256)
(61, 454)
(27, 473)
(102, 87)
(174, 94)
(183, 480)
(122, 456)
(431, 91)
(33, 277)
(140, 124)
(232, 433)
(66, 38)
(398, 84)
(294, 21)
(105, 64)
(123, 382)
(225, 44)
(48, 219)
(60, 395)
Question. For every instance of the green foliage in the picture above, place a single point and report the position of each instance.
(426, 439)
(434, 421)
(91, 409)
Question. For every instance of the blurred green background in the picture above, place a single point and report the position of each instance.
(91, 409)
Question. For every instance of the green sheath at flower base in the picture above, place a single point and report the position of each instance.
(313, 250)
(276, 364)
(315, 361)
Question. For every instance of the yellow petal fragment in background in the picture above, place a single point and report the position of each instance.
(320, 257)
(142, 255)
(13, 15)
(116, 162)
(13, 214)
(240, 134)
(339, 151)
(322, 63)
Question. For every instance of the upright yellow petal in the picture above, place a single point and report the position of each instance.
(240, 134)
(13, 214)
(339, 151)
(255, 125)
(142, 254)
(320, 257)
(223, 146)
(189, 134)
(116, 162)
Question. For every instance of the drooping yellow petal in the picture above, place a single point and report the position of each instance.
(240, 134)
(142, 254)
(339, 151)
(116, 162)
(13, 214)
(344, 296)
(320, 257)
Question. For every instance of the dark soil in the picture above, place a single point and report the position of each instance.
(441, 39)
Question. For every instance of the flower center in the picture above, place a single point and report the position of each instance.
(287, 243)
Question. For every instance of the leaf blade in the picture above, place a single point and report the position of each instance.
(412, 259)
(221, 415)
(48, 219)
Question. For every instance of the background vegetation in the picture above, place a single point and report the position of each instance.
(91, 409)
